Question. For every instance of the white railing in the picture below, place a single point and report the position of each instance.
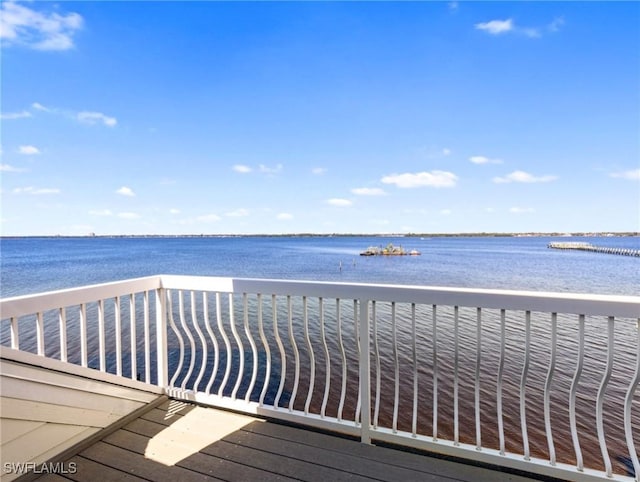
(541, 382)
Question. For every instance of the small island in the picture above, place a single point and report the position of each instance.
(389, 250)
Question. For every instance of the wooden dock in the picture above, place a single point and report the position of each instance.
(595, 249)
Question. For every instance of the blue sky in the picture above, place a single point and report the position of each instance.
(328, 117)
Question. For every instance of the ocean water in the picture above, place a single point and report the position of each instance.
(30, 265)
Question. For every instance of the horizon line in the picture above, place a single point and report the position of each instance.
(326, 235)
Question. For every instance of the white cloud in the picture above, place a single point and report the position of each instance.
(496, 27)
(35, 191)
(39, 106)
(422, 179)
(446, 151)
(381, 222)
(517, 210)
(126, 191)
(84, 117)
(242, 169)
(284, 216)
(530, 32)
(368, 191)
(174, 211)
(208, 218)
(237, 213)
(318, 171)
(555, 24)
(93, 118)
(128, 215)
(101, 212)
(15, 115)
(632, 175)
(445, 212)
(521, 176)
(28, 150)
(453, 6)
(484, 160)
(339, 202)
(270, 170)
(8, 168)
(20, 25)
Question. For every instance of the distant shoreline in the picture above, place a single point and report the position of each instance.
(341, 235)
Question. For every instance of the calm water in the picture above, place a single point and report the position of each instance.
(32, 265)
(35, 265)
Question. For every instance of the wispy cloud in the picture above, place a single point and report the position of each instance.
(262, 168)
(128, 215)
(93, 118)
(555, 24)
(453, 6)
(238, 213)
(369, 191)
(35, 191)
(15, 115)
(242, 169)
(522, 176)
(8, 168)
(518, 210)
(422, 179)
(339, 202)
(270, 170)
(21, 25)
(40, 107)
(28, 150)
(632, 175)
(499, 27)
(496, 27)
(445, 212)
(318, 171)
(208, 218)
(174, 211)
(446, 151)
(284, 216)
(101, 212)
(125, 191)
(83, 117)
(484, 160)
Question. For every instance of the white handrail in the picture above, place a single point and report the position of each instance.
(400, 325)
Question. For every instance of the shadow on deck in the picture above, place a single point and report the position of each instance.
(61, 423)
(180, 441)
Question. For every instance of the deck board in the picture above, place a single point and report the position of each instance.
(130, 462)
(86, 469)
(241, 448)
(182, 441)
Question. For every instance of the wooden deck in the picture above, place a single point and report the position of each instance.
(179, 441)
(85, 425)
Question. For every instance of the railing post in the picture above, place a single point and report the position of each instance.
(365, 381)
(161, 338)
